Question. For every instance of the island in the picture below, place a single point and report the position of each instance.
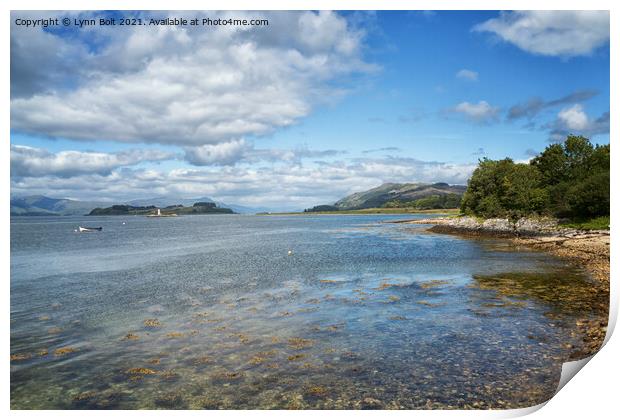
(176, 209)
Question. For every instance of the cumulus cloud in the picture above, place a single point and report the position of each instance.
(574, 120)
(466, 74)
(551, 33)
(222, 154)
(534, 106)
(185, 86)
(482, 112)
(31, 49)
(31, 162)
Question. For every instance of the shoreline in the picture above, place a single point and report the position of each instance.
(587, 249)
(369, 212)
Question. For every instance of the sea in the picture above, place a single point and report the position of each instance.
(281, 312)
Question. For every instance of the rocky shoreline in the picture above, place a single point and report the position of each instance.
(588, 249)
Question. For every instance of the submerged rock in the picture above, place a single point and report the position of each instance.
(152, 323)
(84, 396)
(171, 401)
(370, 403)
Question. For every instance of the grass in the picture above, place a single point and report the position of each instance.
(598, 223)
(378, 210)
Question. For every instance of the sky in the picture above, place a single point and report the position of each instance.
(304, 111)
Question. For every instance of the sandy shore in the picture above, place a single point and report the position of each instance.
(588, 249)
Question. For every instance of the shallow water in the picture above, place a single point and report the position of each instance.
(212, 312)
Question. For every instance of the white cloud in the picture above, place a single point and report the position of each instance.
(31, 162)
(287, 185)
(193, 87)
(241, 151)
(466, 74)
(222, 154)
(480, 112)
(574, 120)
(552, 33)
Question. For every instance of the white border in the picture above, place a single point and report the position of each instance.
(592, 395)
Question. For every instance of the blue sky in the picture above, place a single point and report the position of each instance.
(311, 108)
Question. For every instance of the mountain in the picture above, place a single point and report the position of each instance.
(164, 201)
(437, 195)
(40, 205)
(242, 209)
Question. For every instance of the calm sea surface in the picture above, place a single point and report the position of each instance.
(212, 312)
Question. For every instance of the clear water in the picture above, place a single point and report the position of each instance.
(363, 314)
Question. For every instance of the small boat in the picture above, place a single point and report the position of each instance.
(89, 229)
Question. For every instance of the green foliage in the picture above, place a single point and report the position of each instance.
(565, 180)
(431, 202)
(589, 197)
(323, 207)
(598, 223)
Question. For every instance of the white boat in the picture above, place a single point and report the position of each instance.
(89, 229)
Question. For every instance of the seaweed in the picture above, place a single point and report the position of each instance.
(300, 343)
(141, 371)
(63, 351)
(20, 357)
(316, 391)
(203, 360)
(433, 283)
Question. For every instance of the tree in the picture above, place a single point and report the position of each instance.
(523, 193)
(565, 180)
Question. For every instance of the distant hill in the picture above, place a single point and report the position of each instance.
(419, 195)
(163, 201)
(178, 209)
(40, 205)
